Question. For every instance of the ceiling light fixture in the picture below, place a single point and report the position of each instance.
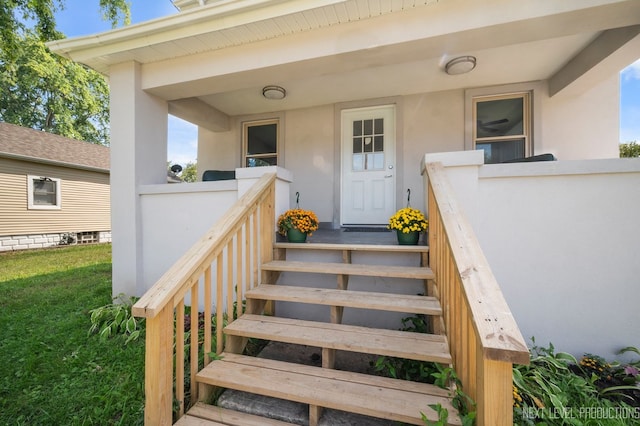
(274, 92)
(460, 65)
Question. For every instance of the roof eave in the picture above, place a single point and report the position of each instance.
(189, 23)
(53, 162)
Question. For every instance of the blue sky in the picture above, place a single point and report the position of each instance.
(82, 17)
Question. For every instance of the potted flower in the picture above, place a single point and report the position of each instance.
(296, 224)
(408, 223)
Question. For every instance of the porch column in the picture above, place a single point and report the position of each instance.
(138, 157)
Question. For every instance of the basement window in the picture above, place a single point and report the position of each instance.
(43, 193)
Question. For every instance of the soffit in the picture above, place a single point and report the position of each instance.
(220, 25)
(325, 51)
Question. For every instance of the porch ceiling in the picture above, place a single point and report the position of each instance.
(325, 51)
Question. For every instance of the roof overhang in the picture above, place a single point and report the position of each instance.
(48, 162)
(328, 51)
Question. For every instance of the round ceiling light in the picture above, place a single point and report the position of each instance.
(274, 92)
(460, 65)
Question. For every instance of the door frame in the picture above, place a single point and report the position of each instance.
(396, 101)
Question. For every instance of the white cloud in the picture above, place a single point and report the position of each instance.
(632, 72)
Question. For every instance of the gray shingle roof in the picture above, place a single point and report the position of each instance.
(34, 145)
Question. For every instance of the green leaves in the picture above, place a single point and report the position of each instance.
(43, 91)
(629, 149)
(556, 389)
(115, 318)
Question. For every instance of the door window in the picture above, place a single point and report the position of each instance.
(368, 144)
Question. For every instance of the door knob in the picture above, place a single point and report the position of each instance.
(388, 176)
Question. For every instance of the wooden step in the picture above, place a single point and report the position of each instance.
(400, 344)
(375, 396)
(413, 272)
(353, 299)
(208, 415)
(355, 247)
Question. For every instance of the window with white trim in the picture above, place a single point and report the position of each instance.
(43, 193)
(502, 126)
(260, 143)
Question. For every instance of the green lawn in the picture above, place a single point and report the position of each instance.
(51, 371)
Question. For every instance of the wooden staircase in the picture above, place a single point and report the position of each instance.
(326, 387)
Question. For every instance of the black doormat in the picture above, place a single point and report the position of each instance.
(365, 229)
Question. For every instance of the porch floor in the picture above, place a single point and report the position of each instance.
(340, 236)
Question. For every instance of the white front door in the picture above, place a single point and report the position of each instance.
(368, 165)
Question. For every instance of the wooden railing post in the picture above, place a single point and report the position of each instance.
(249, 222)
(267, 237)
(494, 396)
(483, 337)
(158, 373)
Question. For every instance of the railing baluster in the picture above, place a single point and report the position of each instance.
(246, 243)
(254, 245)
(180, 356)
(230, 289)
(219, 305)
(195, 325)
(207, 315)
(239, 270)
(248, 224)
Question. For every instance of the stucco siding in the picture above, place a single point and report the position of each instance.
(426, 123)
(85, 204)
(582, 127)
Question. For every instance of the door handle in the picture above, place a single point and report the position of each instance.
(388, 176)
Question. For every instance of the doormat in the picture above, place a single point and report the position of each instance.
(366, 229)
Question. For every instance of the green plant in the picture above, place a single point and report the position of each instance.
(615, 381)
(629, 149)
(408, 369)
(116, 318)
(557, 389)
(428, 372)
(447, 378)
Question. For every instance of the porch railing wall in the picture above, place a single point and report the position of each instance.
(484, 339)
(229, 254)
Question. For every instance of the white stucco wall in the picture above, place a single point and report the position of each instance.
(572, 127)
(176, 216)
(584, 126)
(562, 240)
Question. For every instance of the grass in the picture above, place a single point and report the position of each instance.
(51, 371)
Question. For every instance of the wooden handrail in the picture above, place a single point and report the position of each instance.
(193, 263)
(235, 246)
(483, 336)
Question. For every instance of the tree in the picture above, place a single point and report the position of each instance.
(45, 91)
(190, 172)
(629, 149)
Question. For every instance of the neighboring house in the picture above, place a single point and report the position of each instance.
(348, 96)
(53, 190)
